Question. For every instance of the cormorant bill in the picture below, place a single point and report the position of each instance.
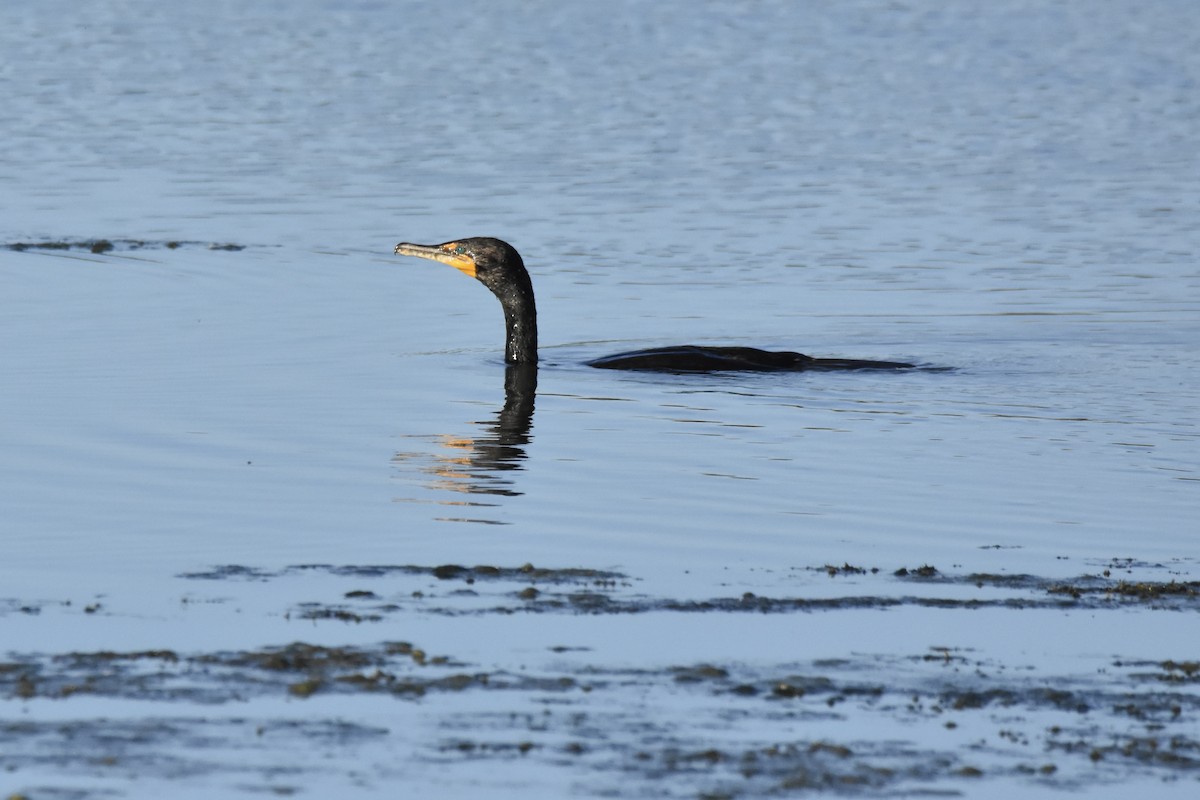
(497, 265)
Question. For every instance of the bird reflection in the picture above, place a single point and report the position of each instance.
(485, 463)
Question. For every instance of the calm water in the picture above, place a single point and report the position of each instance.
(1007, 190)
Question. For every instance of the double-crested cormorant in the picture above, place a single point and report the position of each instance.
(498, 266)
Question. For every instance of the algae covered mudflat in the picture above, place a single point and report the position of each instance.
(557, 704)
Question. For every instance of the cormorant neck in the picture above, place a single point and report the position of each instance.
(520, 324)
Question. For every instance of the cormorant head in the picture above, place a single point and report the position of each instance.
(494, 263)
(498, 266)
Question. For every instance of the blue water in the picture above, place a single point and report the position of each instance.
(1009, 190)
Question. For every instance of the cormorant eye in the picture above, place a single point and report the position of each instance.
(460, 249)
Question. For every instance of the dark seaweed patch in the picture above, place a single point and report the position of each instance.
(604, 592)
(525, 573)
(99, 246)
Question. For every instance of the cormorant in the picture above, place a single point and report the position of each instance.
(498, 266)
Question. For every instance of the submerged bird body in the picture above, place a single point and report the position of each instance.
(697, 358)
(498, 266)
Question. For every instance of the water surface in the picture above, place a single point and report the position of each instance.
(207, 448)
